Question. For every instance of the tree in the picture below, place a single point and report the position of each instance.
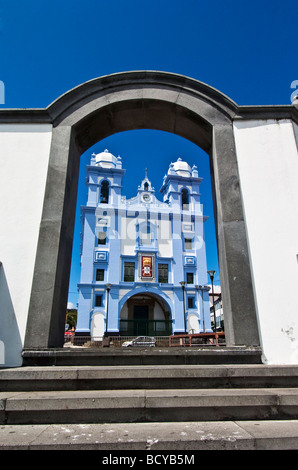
(71, 317)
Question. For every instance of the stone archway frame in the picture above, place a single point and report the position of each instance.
(128, 101)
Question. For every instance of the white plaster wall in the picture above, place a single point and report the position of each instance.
(128, 236)
(124, 312)
(24, 156)
(295, 127)
(97, 326)
(165, 238)
(158, 313)
(193, 324)
(268, 166)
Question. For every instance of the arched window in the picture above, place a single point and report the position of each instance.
(146, 186)
(185, 199)
(104, 192)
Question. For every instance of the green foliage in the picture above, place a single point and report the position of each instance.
(71, 317)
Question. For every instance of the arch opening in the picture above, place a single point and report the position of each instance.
(184, 199)
(150, 152)
(145, 314)
(139, 100)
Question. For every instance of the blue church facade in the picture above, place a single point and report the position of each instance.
(143, 261)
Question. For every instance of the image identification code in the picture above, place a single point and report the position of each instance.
(149, 459)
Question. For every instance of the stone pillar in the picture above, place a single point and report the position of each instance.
(47, 309)
(235, 271)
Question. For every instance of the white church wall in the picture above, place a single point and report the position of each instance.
(97, 326)
(24, 161)
(158, 312)
(268, 167)
(124, 312)
(128, 236)
(164, 237)
(193, 326)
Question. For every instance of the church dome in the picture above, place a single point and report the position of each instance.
(106, 159)
(181, 168)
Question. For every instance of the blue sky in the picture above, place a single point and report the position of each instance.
(245, 49)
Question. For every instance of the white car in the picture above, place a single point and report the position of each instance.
(145, 341)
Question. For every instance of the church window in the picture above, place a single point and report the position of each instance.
(185, 199)
(129, 271)
(102, 238)
(188, 243)
(104, 192)
(100, 273)
(163, 273)
(190, 302)
(189, 278)
(98, 300)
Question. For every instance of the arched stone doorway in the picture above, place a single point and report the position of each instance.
(145, 314)
(127, 101)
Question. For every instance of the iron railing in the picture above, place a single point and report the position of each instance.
(145, 327)
(110, 341)
(201, 339)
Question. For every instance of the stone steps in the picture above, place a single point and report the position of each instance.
(80, 356)
(147, 377)
(128, 406)
(152, 443)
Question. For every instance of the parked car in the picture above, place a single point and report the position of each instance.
(145, 341)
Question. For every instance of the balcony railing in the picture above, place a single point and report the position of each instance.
(145, 327)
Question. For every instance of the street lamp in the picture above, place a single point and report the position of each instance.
(202, 291)
(183, 290)
(211, 274)
(108, 286)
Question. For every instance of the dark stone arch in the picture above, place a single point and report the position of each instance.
(127, 101)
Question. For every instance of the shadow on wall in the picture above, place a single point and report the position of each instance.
(10, 340)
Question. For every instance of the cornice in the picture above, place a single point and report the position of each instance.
(77, 96)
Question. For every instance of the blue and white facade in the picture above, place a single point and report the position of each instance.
(143, 261)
